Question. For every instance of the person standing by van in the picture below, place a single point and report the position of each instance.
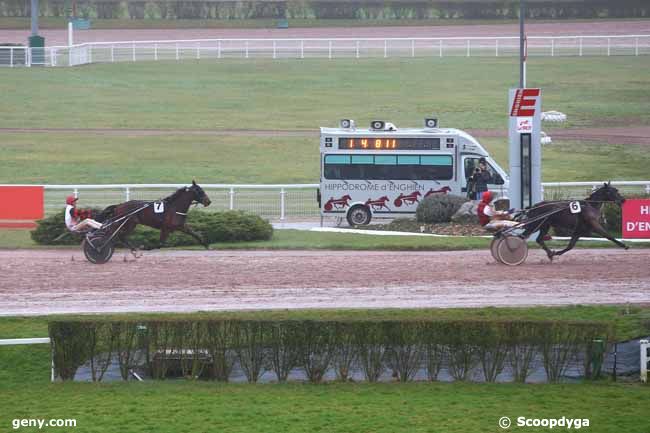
(482, 178)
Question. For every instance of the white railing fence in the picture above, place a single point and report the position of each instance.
(271, 201)
(333, 48)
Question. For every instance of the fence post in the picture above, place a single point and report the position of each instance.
(580, 40)
(11, 57)
(385, 48)
(552, 47)
(542, 187)
(112, 53)
(644, 360)
(70, 53)
(246, 47)
(219, 49)
(440, 43)
(232, 198)
(496, 47)
(412, 47)
(636, 46)
(647, 189)
(198, 50)
(90, 53)
(76, 193)
(302, 49)
(52, 57)
(133, 46)
(155, 51)
(609, 43)
(274, 48)
(176, 50)
(127, 193)
(357, 49)
(283, 193)
(468, 47)
(330, 50)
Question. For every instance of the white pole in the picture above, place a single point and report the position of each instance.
(496, 47)
(134, 51)
(198, 50)
(552, 47)
(385, 48)
(219, 50)
(644, 360)
(177, 51)
(283, 193)
(112, 53)
(90, 53)
(11, 57)
(580, 39)
(155, 51)
(246, 49)
(468, 47)
(440, 43)
(357, 49)
(412, 47)
(609, 43)
(330, 50)
(232, 198)
(274, 48)
(70, 34)
(127, 193)
(636, 47)
(302, 49)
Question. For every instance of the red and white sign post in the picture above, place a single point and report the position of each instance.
(636, 219)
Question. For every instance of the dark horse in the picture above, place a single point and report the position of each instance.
(167, 215)
(560, 217)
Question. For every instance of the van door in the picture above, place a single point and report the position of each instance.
(470, 165)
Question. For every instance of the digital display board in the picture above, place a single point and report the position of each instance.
(381, 143)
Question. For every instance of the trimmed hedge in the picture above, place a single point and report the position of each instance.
(230, 226)
(438, 208)
(209, 349)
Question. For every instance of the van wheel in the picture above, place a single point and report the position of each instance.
(359, 215)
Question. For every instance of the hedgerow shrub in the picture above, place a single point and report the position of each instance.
(230, 226)
(438, 208)
(208, 349)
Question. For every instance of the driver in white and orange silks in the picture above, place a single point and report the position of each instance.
(491, 218)
(72, 217)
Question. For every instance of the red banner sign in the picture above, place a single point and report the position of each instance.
(21, 202)
(524, 102)
(636, 219)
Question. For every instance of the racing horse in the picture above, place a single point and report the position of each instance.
(560, 216)
(167, 215)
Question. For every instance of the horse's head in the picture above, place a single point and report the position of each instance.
(607, 193)
(199, 195)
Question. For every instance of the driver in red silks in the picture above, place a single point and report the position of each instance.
(490, 218)
(73, 217)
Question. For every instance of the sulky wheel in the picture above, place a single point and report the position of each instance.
(493, 249)
(97, 250)
(512, 250)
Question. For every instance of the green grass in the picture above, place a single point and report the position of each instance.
(293, 94)
(124, 23)
(414, 407)
(56, 158)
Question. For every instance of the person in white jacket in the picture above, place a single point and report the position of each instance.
(72, 217)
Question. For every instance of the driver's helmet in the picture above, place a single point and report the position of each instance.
(486, 197)
(70, 200)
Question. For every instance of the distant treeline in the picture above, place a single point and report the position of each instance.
(306, 9)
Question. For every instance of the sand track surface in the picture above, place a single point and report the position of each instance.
(38, 282)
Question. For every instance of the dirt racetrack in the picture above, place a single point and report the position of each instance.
(49, 281)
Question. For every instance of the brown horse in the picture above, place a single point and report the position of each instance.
(167, 215)
(583, 223)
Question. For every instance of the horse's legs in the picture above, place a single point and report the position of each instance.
(188, 230)
(543, 230)
(572, 243)
(129, 245)
(596, 227)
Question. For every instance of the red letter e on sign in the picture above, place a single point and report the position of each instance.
(524, 103)
(636, 219)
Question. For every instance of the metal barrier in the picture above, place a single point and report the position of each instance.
(301, 48)
(280, 201)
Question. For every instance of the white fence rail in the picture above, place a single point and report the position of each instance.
(283, 201)
(333, 48)
(645, 356)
